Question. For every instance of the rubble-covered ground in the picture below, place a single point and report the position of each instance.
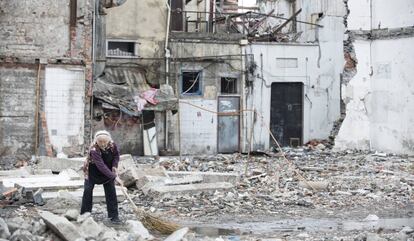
(316, 194)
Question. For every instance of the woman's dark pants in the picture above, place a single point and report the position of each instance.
(110, 196)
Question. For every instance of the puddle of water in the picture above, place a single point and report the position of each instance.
(298, 225)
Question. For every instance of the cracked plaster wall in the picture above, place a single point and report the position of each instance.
(379, 98)
(323, 49)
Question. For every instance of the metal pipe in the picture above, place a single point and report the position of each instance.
(167, 69)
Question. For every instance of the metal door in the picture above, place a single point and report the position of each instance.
(228, 125)
(286, 113)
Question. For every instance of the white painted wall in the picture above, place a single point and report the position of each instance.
(321, 88)
(198, 127)
(380, 103)
(64, 106)
(380, 108)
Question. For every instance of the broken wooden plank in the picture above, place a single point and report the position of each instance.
(9, 192)
(286, 22)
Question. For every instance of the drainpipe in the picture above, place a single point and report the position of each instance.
(167, 67)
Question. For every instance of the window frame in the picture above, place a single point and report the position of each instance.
(136, 43)
(200, 80)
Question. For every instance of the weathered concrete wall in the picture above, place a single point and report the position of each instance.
(17, 104)
(48, 32)
(379, 112)
(40, 29)
(199, 127)
(321, 89)
(142, 21)
(126, 131)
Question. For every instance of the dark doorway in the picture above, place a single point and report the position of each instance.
(176, 15)
(286, 113)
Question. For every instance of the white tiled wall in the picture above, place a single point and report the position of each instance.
(64, 106)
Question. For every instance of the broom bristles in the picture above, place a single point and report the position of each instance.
(149, 221)
(158, 224)
(155, 223)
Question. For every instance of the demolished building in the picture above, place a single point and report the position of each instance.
(206, 77)
(379, 93)
(45, 71)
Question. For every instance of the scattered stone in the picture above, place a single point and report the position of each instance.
(374, 237)
(17, 223)
(178, 235)
(37, 197)
(90, 229)
(38, 227)
(124, 236)
(61, 226)
(83, 217)
(209, 176)
(137, 228)
(72, 214)
(22, 235)
(314, 185)
(190, 188)
(109, 235)
(4, 229)
(407, 230)
(371, 218)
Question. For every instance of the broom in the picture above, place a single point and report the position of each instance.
(150, 221)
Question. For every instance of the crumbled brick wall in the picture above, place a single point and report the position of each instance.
(17, 120)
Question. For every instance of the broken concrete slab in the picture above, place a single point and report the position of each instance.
(61, 226)
(189, 188)
(144, 180)
(98, 194)
(4, 229)
(315, 185)
(90, 229)
(72, 214)
(136, 227)
(178, 235)
(209, 177)
(51, 185)
(10, 182)
(20, 172)
(184, 180)
(60, 164)
(161, 180)
(70, 174)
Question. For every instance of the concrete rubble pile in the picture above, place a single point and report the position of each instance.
(221, 197)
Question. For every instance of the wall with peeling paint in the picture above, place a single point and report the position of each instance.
(17, 102)
(40, 29)
(321, 89)
(320, 63)
(142, 21)
(37, 34)
(379, 98)
(199, 127)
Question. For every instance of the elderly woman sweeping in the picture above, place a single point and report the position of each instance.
(101, 168)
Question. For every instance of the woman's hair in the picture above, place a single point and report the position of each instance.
(99, 134)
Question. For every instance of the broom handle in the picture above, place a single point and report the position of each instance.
(129, 198)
